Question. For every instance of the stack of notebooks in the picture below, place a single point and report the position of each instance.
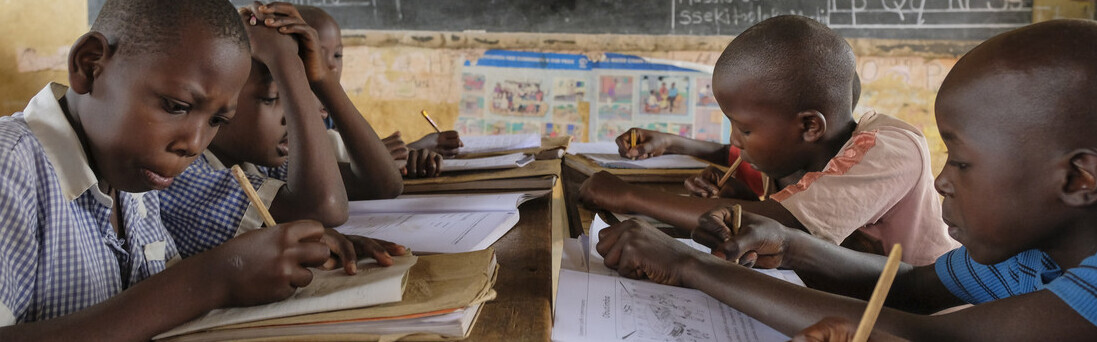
(426, 298)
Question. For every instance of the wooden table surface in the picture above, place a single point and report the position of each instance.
(522, 311)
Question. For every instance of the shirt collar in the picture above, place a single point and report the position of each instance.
(216, 164)
(62, 146)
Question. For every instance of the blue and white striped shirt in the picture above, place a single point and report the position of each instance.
(59, 252)
(1029, 271)
(205, 206)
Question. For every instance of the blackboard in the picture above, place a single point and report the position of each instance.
(913, 19)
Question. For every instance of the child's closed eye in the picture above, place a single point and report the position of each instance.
(957, 164)
(219, 120)
(269, 101)
(175, 106)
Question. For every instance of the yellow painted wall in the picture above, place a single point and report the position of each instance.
(34, 46)
(391, 76)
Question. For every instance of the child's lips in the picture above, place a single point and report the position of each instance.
(156, 180)
(283, 148)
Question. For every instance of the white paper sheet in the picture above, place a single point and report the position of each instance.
(447, 203)
(496, 143)
(508, 161)
(604, 147)
(453, 232)
(666, 161)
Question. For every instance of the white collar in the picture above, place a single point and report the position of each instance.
(47, 121)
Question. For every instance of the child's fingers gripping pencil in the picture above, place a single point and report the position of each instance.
(876, 302)
(431, 121)
(252, 195)
(632, 140)
(731, 170)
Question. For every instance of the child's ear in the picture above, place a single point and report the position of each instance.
(1080, 188)
(813, 125)
(86, 61)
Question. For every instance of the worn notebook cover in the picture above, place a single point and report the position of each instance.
(439, 282)
(536, 169)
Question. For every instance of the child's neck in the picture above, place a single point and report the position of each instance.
(826, 149)
(1068, 246)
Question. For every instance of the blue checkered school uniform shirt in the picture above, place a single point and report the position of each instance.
(1029, 271)
(205, 206)
(58, 250)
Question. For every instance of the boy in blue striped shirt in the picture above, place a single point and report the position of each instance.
(83, 252)
(1020, 193)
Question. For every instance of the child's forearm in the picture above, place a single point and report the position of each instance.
(314, 188)
(373, 175)
(155, 305)
(713, 152)
(683, 211)
(786, 307)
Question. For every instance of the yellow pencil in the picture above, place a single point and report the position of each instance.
(876, 302)
(431, 121)
(724, 179)
(252, 195)
(737, 219)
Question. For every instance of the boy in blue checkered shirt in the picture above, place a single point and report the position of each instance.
(1020, 192)
(279, 140)
(83, 252)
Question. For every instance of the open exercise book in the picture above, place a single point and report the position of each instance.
(329, 290)
(496, 143)
(595, 304)
(443, 298)
(506, 161)
(438, 223)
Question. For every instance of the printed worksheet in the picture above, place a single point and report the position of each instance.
(594, 307)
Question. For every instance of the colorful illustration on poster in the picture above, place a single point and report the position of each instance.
(664, 94)
(518, 98)
(615, 89)
(469, 126)
(704, 93)
(569, 89)
(567, 113)
(608, 131)
(496, 127)
(521, 127)
(708, 124)
(472, 82)
(615, 112)
(558, 130)
(472, 105)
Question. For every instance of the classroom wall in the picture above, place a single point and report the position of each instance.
(392, 75)
(34, 46)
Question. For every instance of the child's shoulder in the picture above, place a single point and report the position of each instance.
(18, 144)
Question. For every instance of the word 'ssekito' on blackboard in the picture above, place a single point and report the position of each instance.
(914, 19)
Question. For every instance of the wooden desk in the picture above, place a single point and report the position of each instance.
(578, 168)
(527, 276)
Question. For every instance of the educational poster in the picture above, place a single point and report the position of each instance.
(704, 93)
(518, 97)
(662, 94)
(472, 105)
(708, 124)
(564, 94)
(569, 89)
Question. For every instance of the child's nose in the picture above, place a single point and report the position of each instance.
(943, 185)
(192, 140)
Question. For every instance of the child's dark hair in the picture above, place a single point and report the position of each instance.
(151, 26)
(802, 62)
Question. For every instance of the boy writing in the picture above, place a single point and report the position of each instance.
(1024, 210)
(83, 253)
(787, 84)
